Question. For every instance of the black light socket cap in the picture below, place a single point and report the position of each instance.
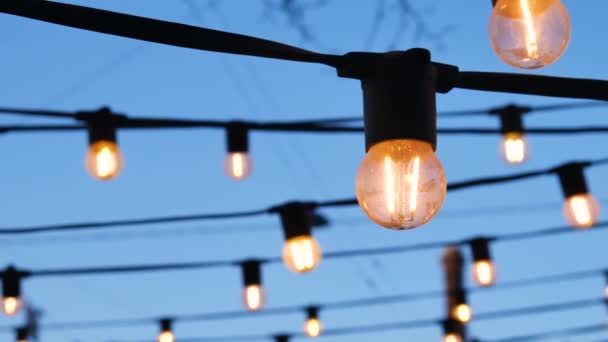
(480, 248)
(166, 325)
(296, 218)
(21, 334)
(312, 312)
(572, 179)
(252, 272)
(281, 338)
(399, 98)
(511, 120)
(451, 326)
(237, 137)
(101, 125)
(460, 296)
(11, 282)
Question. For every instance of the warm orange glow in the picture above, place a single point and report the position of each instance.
(581, 211)
(238, 165)
(253, 296)
(529, 33)
(11, 305)
(462, 313)
(301, 254)
(313, 327)
(514, 148)
(484, 272)
(166, 336)
(401, 184)
(452, 337)
(104, 160)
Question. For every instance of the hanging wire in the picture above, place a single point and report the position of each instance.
(552, 334)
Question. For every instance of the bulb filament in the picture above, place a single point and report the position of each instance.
(531, 38)
(396, 179)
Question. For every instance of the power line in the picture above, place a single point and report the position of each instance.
(483, 181)
(561, 333)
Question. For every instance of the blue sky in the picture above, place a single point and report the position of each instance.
(180, 172)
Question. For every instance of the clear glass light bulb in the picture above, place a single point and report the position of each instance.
(313, 327)
(166, 336)
(484, 272)
(581, 211)
(452, 337)
(462, 313)
(529, 34)
(104, 160)
(301, 254)
(401, 184)
(238, 165)
(514, 148)
(254, 297)
(11, 305)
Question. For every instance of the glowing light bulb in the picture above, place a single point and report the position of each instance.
(166, 336)
(313, 327)
(581, 211)
(401, 184)
(484, 272)
(452, 337)
(254, 298)
(11, 305)
(529, 34)
(301, 254)
(462, 313)
(104, 160)
(606, 292)
(238, 165)
(514, 148)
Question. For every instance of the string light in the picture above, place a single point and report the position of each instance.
(21, 334)
(237, 164)
(461, 311)
(514, 147)
(452, 331)
(166, 332)
(313, 326)
(581, 209)
(400, 183)
(529, 34)
(11, 291)
(301, 252)
(253, 292)
(104, 159)
(484, 270)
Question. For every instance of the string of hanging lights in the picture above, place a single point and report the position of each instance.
(399, 90)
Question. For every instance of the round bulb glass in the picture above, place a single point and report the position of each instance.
(462, 313)
(254, 297)
(484, 273)
(529, 34)
(104, 160)
(400, 184)
(514, 148)
(581, 211)
(313, 327)
(166, 336)
(452, 337)
(301, 254)
(238, 165)
(11, 305)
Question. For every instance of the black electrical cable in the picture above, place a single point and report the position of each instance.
(199, 38)
(561, 333)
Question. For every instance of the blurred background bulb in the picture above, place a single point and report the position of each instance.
(452, 337)
(529, 34)
(254, 297)
(11, 305)
(104, 160)
(238, 165)
(313, 327)
(581, 211)
(514, 148)
(462, 313)
(301, 254)
(166, 336)
(484, 272)
(401, 184)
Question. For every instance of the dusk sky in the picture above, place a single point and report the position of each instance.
(175, 172)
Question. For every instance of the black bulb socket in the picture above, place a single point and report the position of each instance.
(312, 312)
(511, 120)
(281, 338)
(101, 126)
(11, 282)
(166, 325)
(21, 334)
(296, 219)
(572, 179)
(480, 248)
(452, 326)
(252, 272)
(237, 137)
